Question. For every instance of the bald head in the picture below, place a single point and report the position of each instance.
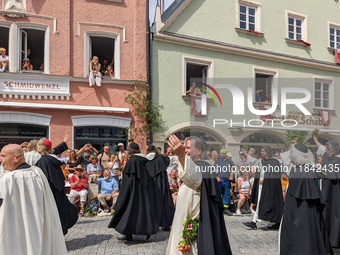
(11, 157)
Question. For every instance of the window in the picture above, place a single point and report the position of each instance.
(247, 17)
(19, 133)
(295, 28)
(106, 46)
(196, 70)
(296, 25)
(32, 48)
(103, 48)
(322, 94)
(196, 73)
(263, 85)
(334, 37)
(99, 136)
(4, 32)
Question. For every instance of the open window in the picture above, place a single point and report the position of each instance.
(263, 86)
(196, 73)
(4, 32)
(106, 46)
(103, 48)
(32, 49)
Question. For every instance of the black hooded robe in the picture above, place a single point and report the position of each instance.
(303, 228)
(271, 200)
(331, 194)
(212, 233)
(133, 212)
(159, 190)
(67, 212)
(255, 190)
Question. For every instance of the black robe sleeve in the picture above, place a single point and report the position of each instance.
(60, 148)
(52, 170)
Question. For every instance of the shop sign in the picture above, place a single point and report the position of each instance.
(23, 86)
(301, 119)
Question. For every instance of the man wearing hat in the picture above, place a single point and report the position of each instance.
(79, 186)
(121, 151)
(224, 168)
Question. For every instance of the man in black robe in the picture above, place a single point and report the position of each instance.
(158, 188)
(270, 198)
(331, 189)
(133, 213)
(302, 228)
(212, 235)
(51, 166)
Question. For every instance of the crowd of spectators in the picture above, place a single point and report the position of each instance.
(86, 165)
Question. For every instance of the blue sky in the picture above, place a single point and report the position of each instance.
(152, 7)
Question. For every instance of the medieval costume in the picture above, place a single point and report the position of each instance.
(302, 229)
(51, 167)
(29, 218)
(158, 189)
(200, 199)
(331, 191)
(269, 205)
(133, 213)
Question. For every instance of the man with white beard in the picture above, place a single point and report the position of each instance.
(29, 219)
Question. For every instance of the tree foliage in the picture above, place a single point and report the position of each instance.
(146, 112)
(298, 136)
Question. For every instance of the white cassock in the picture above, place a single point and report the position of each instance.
(188, 203)
(32, 157)
(2, 170)
(29, 219)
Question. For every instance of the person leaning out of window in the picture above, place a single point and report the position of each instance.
(95, 75)
(26, 64)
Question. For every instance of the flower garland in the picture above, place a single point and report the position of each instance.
(189, 235)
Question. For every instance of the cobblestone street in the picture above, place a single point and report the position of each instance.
(91, 236)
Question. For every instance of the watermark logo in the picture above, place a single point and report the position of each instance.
(204, 97)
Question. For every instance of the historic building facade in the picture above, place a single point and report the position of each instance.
(59, 38)
(258, 47)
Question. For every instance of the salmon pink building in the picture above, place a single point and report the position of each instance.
(45, 92)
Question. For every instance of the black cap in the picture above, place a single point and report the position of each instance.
(301, 147)
(152, 148)
(134, 146)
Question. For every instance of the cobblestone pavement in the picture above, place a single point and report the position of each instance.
(91, 236)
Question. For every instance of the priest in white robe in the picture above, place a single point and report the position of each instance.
(29, 220)
(200, 199)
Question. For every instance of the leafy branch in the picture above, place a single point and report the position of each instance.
(147, 112)
(296, 135)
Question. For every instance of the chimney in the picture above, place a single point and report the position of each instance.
(162, 6)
